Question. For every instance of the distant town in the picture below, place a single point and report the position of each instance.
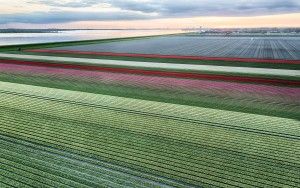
(243, 31)
(196, 30)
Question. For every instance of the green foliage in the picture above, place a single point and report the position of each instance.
(62, 134)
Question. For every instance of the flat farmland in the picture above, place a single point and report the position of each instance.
(209, 46)
(163, 111)
(87, 140)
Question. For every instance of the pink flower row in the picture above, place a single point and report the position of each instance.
(190, 85)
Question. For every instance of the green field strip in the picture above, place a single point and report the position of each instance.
(143, 118)
(78, 166)
(156, 169)
(125, 146)
(204, 122)
(47, 177)
(64, 171)
(216, 133)
(11, 182)
(67, 178)
(134, 115)
(21, 176)
(123, 171)
(5, 185)
(191, 114)
(250, 129)
(27, 171)
(24, 182)
(248, 106)
(125, 175)
(56, 119)
(33, 168)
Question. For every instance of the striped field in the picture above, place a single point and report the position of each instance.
(175, 145)
(91, 120)
(208, 46)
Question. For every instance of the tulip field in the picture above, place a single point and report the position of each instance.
(86, 123)
(207, 46)
(232, 148)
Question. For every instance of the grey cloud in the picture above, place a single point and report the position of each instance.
(136, 5)
(71, 4)
(70, 16)
(187, 8)
(136, 9)
(170, 8)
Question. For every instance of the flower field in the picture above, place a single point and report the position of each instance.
(254, 48)
(264, 99)
(89, 124)
(139, 137)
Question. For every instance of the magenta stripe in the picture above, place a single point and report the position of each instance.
(158, 82)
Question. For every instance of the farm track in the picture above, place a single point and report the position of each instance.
(135, 140)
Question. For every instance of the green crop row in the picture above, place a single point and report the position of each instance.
(43, 131)
(146, 137)
(76, 162)
(114, 141)
(61, 109)
(227, 119)
(78, 173)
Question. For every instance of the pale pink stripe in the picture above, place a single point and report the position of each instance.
(158, 82)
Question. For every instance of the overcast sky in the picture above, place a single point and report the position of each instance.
(156, 13)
